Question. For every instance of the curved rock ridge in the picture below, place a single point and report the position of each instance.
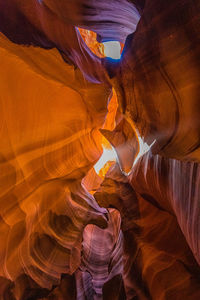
(61, 234)
(101, 257)
(125, 142)
(113, 20)
(33, 23)
(157, 79)
(158, 204)
(49, 140)
(49, 24)
(174, 185)
(47, 241)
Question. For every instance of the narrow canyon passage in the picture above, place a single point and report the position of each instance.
(99, 150)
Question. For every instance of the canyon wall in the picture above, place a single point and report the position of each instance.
(66, 232)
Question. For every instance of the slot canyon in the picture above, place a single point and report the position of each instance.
(99, 149)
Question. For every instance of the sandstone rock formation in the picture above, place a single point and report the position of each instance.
(67, 232)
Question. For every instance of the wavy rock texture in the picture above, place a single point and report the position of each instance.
(33, 23)
(158, 263)
(112, 20)
(57, 241)
(101, 257)
(157, 81)
(49, 142)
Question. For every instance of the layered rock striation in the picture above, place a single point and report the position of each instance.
(65, 231)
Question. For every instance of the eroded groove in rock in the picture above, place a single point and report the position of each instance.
(101, 257)
(112, 20)
(158, 260)
(33, 23)
(49, 131)
(57, 242)
(158, 78)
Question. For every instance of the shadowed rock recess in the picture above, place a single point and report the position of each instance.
(128, 229)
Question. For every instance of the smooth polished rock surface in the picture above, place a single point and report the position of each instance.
(140, 239)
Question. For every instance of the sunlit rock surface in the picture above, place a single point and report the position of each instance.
(75, 224)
